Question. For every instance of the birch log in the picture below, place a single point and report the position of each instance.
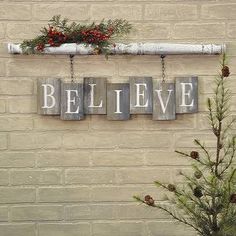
(132, 48)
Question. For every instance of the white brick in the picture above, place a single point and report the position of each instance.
(17, 159)
(41, 212)
(64, 229)
(72, 11)
(218, 11)
(199, 31)
(34, 141)
(16, 87)
(21, 229)
(119, 228)
(4, 177)
(63, 194)
(15, 123)
(3, 141)
(66, 159)
(127, 11)
(16, 195)
(35, 177)
(90, 176)
(15, 12)
(22, 105)
(170, 12)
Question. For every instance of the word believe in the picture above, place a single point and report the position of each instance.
(142, 95)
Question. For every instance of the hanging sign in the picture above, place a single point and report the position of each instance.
(142, 95)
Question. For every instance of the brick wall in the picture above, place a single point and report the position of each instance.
(78, 178)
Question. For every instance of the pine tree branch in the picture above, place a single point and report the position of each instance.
(182, 153)
(206, 152)
(231, 158)
(229, 190)
(170, 213)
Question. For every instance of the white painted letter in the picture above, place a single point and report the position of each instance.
(49, 95)
(118, 101)
(163, 107)
(92, 97)
(138, 95)
(184, 94)
(71, 101)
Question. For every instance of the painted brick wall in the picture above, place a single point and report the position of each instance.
(78, 178)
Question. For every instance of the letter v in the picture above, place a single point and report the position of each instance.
(163, 107)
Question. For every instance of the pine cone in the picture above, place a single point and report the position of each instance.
(233, 198)
(149, 200)
(197, 192)
(194, 155)
(198, 174)
(171, 188)
(147, 197)
(225, 71)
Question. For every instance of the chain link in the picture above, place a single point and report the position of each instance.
(163, 68)
(72, 68)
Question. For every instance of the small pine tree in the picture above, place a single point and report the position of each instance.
(207, 199)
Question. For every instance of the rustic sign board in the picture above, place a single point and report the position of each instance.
(72, 107)
(95, 95)
(118, 101)
(49, 96)
(141, 95)
(163, 101)
(186, 94)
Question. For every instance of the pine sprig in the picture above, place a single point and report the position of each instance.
(100, 36)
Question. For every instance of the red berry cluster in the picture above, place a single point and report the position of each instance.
(95, 35)
(40, 47)
(56, 38)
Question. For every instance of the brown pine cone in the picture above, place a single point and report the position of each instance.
(225, 71)
(149, 200)
(198, 174)
(171, 188)
(194, 155)
(147, 197)
(197, 192)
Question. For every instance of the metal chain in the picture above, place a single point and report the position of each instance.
(72, 68)
(163, 68)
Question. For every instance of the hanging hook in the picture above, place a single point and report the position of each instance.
(163, 67)
(72, 68)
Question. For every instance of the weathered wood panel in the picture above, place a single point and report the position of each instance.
(72, 101)
(95, 94)
(49, 95)
(163, 101)
(118, 107)
(186, 94)
(140, 95)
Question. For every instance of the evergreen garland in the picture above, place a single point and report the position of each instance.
(60, 31)
(206, 201)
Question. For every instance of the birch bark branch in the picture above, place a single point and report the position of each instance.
(131, 48)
